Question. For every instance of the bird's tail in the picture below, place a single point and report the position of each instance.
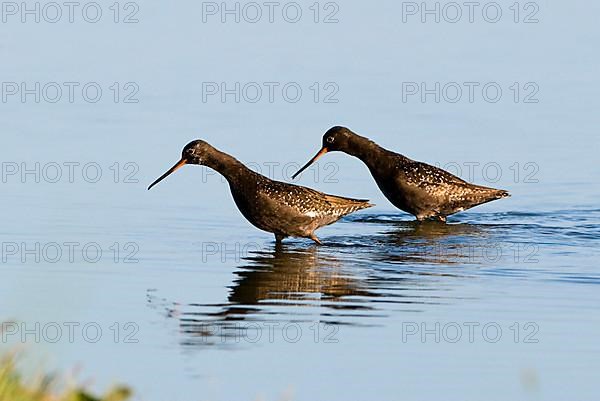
(486, 194)
(501, 193)
(348, 205)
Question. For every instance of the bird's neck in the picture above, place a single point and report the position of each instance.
(228, 166)
(366, 150)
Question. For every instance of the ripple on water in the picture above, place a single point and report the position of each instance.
(397, 266)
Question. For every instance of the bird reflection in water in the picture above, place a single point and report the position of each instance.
(422, 244)
(293, 277)
(405, 267)
(302, 286)
(432, 243)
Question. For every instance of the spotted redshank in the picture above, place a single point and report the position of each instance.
(425, 191)
(285, 210)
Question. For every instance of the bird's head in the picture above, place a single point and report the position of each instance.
(195, 152)
(335, 139)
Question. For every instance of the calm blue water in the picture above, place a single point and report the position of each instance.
(174, 293)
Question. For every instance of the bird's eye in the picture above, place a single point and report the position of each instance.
(330, 139)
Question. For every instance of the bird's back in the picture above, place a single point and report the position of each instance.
(290, 209)
(425, 190)
(310, 202)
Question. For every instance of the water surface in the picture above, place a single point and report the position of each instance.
(195, 303)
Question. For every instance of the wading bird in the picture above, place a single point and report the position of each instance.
(285, 210)
(425, 191)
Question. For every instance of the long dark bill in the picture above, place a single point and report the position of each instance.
(179, 164)
(311, 161)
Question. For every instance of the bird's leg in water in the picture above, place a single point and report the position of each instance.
(314, 238)
(279, 238)
(438, 218)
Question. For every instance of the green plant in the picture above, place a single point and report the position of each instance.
(14, 388)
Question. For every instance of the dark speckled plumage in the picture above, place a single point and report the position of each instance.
(285, 210)
(425, 191)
